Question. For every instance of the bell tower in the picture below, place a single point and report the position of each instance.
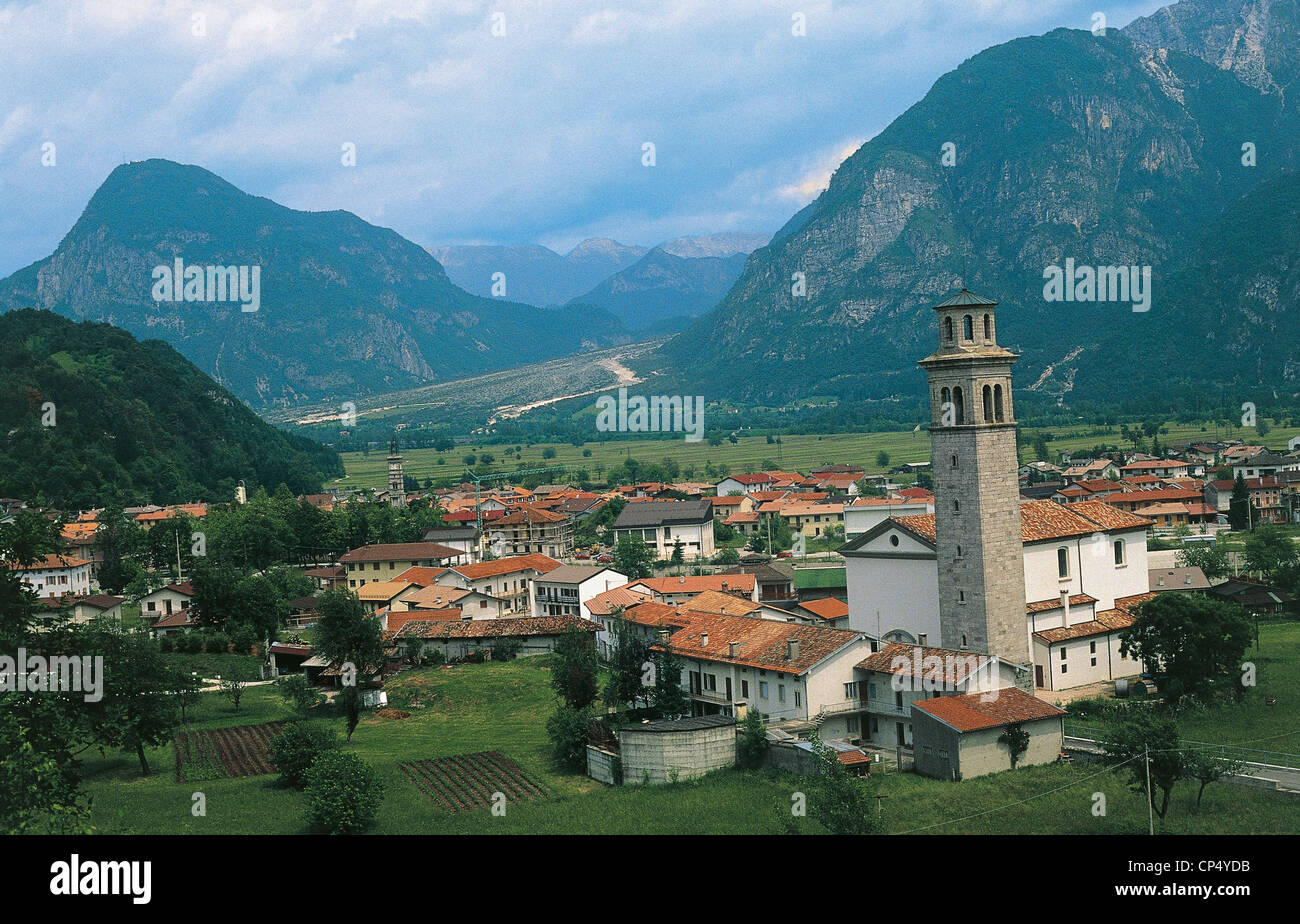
(976, 491)
(396, 480)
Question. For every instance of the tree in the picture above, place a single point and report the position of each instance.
(343, 793)
(345, 632)
(233, 689)
(1196, 644)
(296, 690)
(349, 701)
(1146, 738)
(135, 710)
(1241, 514)
(882, 459)
(840, 801)
(678, 556)
(668, 698)
(1268, 550)
(751, 745)
(627, 671)
(1211, 559)
(1206, 768)
(634, 557)
(573, 675)
(1016, 739)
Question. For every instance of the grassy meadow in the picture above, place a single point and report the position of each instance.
(504, 707)
(796, 452)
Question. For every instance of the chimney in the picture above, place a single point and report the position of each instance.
(733, 649)
(663, 635)
(1160, 581)
(1187, 578)
(792, 649)
(1065, 609)
(704, 640)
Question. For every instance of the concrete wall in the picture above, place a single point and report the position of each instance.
(600, 765)
(691, 753)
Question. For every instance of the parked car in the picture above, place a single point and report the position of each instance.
(583, 556)
(605, 559)
(785, 554)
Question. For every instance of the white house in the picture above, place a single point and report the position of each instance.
(507, 578)
(745, 484)
(565, 591)
(166, 600)
(56, 576)
(665, 524)
(1094, 553)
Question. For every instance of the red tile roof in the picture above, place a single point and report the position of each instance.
(919, 661)
(697, 583)
(971, 712)
(534, 561)
(495, 628)
(827, 608)
(400, 551)
(763, 642)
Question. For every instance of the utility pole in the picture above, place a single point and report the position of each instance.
(1151, 796)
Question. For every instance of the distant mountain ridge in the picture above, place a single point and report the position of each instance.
(1129, 149)
(536, 275)
(347, 308)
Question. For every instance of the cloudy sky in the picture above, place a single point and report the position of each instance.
(463, 134)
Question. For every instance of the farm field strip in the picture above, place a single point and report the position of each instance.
(241, 750)
(465, 782)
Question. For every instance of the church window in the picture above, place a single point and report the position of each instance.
(947, 329)
(988, 327)
(997, 403)
(967, 329)
(954, 461)
(1063, 563)
(959, 405)
(988, 404)
(1119, 552)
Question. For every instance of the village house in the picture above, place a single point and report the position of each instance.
(457, 638)
(82, 609)
(896, 675)
(964, 737)
(813, 519)
(172, 598)
(1185, 580)
(775, 580)
(1264, 463)
(682, 588)
(468, 539)
(430, 596)
(376, 595)
(56, 576)
(789, 672)
(665, 525)
(1266, 496)
(745, 484)
(865, 512)
(1092, 468)
(529, 530)
(564, 591)
(385, 561)
(509, 579)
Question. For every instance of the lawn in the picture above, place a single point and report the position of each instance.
(503, 707)
(1251, 722)
(209, 666)
(797, 452)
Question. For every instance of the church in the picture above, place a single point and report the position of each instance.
(1043, 587)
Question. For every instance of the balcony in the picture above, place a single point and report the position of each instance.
(882, 707)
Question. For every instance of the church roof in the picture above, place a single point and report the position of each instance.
(964, 298)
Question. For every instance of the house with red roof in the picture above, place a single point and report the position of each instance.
(968, 736)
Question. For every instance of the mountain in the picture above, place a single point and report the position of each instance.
(1117, 150)
(346, 308)
(534, 274)
(93, 415)
(727, 244)
(662, 291)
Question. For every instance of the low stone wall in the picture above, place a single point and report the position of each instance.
(787, 757)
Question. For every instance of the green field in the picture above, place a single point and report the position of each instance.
(495, 706)
(796, 452)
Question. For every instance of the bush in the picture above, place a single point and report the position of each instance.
(343, 793)
(507, 649)
(166, 643)
(298, 692)
(244, 637)
(190, 643)
(217, 643)
(435, 657)
(295, 750)
(568, 733)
